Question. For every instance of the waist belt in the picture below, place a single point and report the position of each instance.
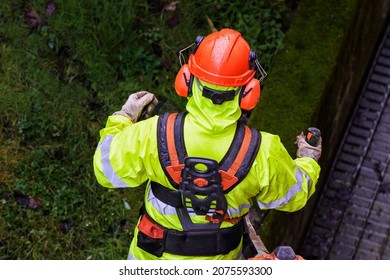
(155, 239)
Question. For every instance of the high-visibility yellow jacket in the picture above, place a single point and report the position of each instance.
(127, 156)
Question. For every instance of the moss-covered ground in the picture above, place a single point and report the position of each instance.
(64, 67)
(300, 75)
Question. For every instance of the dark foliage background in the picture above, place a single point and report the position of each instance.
(64, 67)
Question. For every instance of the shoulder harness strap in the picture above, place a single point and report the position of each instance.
(239, 158)
(171, 149)
(234, 166)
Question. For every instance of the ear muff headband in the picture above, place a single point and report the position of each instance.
(184, 78)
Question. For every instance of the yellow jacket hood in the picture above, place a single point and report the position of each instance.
(209, 117)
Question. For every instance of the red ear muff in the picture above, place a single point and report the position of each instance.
(250, 95)
(184, 78)
(183, 81)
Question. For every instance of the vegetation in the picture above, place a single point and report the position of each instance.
(304, 68)
(298, 87)
(64, 67)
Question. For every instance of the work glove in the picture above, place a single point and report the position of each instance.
(138, 103)
(304, 149)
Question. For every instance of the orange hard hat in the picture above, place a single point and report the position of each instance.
(222, 58)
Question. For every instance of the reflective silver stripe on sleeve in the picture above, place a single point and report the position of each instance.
(296, 188)
(130, 257)
(107, 168)
(234, 211)
(160, 206)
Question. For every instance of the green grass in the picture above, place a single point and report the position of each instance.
(58, 83)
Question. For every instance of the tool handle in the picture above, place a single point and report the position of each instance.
(312, 136)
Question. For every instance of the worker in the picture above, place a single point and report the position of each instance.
(203, 167)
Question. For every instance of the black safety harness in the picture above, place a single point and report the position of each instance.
(201, 185)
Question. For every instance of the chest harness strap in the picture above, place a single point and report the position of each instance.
(233, 167)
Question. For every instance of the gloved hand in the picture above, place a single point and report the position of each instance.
(306, 150)
(136, 103)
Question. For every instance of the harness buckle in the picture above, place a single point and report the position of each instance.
(202, 190)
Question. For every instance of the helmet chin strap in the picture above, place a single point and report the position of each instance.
(216, 96)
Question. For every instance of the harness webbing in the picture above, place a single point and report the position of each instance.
(171, 149)
(233, 167)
